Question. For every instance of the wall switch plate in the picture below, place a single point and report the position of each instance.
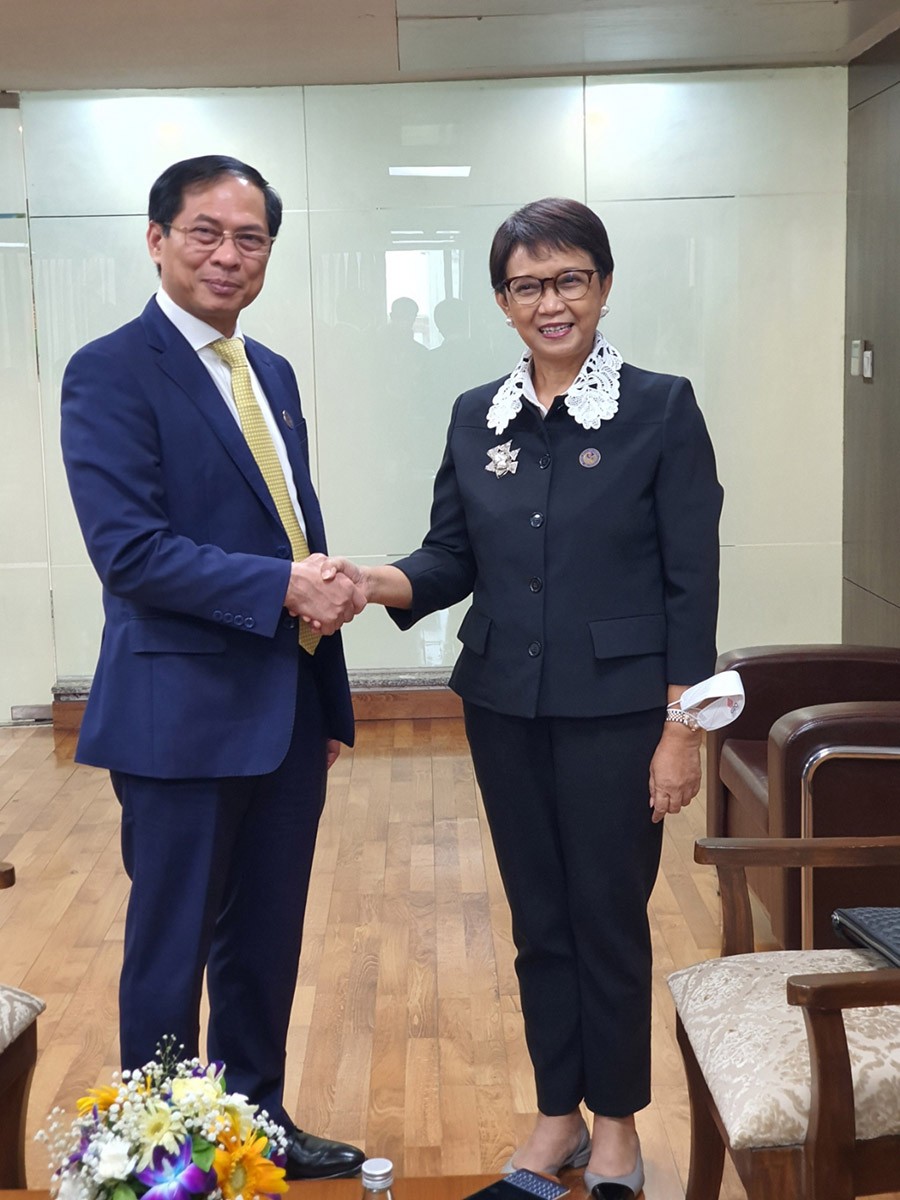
(855, 356)
(868, 362)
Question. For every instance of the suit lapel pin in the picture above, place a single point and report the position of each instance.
(503, 460)
(287, 418)
(589, 457)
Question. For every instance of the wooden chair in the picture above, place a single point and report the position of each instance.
(18, 1054)
(814, 1113)
(815, 753)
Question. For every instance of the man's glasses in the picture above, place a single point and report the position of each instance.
(204, 237)
(570, 285)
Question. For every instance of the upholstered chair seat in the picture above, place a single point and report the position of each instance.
(754, 1053)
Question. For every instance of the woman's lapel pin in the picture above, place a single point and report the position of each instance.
(503, 460)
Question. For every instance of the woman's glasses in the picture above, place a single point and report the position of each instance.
(569, 285)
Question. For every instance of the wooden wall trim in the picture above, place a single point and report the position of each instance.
(377, 696)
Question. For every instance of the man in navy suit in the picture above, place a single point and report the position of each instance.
(216, 726)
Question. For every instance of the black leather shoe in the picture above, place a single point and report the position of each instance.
(311, 1157)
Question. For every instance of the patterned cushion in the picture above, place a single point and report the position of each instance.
(17, 1011)
(752, 1048)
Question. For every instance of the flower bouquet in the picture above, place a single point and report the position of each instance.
(169, 1131)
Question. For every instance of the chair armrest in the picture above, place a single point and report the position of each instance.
(848, 989)
(7, 875)
(797, 737)
(831, 1138)
(730, 857)
(798, 852)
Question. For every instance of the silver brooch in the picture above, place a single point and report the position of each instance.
(503, 460)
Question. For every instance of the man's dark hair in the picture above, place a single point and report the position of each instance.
(552, 223)
(167, 194)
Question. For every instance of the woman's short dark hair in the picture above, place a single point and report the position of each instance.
(167, 194)
(552, 222)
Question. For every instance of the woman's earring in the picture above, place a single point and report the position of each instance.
(604, 309)
(510, 322)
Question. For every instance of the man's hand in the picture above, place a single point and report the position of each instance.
(325, 603)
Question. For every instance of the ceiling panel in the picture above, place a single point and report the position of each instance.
(94, 44)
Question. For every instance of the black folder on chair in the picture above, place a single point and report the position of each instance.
(875, 928)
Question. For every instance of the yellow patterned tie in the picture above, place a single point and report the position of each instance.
(231, 351)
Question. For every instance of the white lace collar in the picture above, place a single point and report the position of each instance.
(592, 398)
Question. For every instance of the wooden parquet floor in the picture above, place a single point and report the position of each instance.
(406, 1036)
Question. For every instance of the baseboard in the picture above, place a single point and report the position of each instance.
(377, 696)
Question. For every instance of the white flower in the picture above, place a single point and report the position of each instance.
(242, 1114)
(115, 1160)
(196, 1093)
(73, 1187)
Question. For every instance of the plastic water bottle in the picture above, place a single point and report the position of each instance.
(377, 1179)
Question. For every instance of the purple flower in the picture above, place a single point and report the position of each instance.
(174, 1176)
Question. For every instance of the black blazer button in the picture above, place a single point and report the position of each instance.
(534, 650)
(536, 584)
(217, 615)
(544, 462)
(249, 622)
(536, 520)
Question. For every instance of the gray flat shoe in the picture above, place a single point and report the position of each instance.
(579, 1157)
(619, 1187)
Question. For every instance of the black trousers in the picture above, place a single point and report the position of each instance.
(567, 800)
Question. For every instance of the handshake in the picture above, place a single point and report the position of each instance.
(326, 592)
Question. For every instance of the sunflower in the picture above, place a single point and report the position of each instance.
(100, 1098)
(242, 1168)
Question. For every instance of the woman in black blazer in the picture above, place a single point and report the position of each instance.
(577, 502)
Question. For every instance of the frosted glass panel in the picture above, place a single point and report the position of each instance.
(774, 594)
(386, 382)
(693, 295)
(22, 539)
(721, 133)
(517, 140)
(12, 178)
(723, 193)
(90, 276)
(674, 288)
(373, 640)
(26, 637)
(100, 152)
(77, 618)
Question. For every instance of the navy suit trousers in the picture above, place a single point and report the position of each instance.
(219, 874)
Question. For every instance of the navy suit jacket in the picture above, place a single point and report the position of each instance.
(594, 581)
(197, 674)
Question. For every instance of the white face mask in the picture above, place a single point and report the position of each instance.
(716, 701)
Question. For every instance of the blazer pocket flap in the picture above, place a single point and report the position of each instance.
(622, 636)
(473, 632)
(168, 635)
